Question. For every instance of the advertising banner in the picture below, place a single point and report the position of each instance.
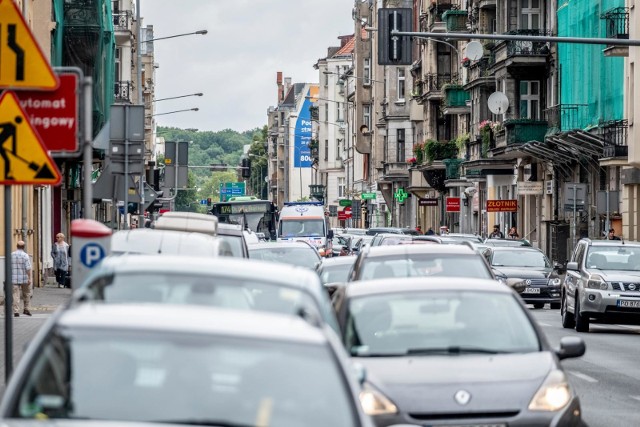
(303, 131)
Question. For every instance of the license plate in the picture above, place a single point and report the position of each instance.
(531, 291)
(632, 304)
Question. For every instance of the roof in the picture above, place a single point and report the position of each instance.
(153, 241)
(190, 319)
(347, 49)
(291, 96)
(420, 249)
(419, 284)
(216, 267)
(614, 243)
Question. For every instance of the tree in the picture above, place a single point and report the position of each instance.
(211, 187)
(186, 200)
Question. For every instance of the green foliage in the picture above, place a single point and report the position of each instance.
(211, 187)
(461, 141)
(187, 200)
(435, 150)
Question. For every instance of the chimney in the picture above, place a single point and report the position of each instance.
(279, 84)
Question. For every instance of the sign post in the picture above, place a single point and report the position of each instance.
(91, 243)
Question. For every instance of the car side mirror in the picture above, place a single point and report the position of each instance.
(332, 287)
(360, 372)
(330, 234)
(572, 266)
(517, 285)
(570, 347)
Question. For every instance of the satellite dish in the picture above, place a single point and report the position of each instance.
(474, 50)
(498, 103)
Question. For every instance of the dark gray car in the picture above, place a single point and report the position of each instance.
(454, 352)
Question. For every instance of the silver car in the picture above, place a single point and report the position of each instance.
(183, 365)
(602, 284)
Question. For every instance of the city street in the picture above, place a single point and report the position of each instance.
(607, 377)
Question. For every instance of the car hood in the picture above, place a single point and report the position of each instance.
(428, 384)
(78, 423)
(523, 272)
(617, 275)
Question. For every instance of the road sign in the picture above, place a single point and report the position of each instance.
(24, 160)
(54, 114)
(342, 216)
(203, 201)
(502, 206)
(428, 201)
(368, 196)
(452, 204)
(231, 189)
(22, 63)
(347, 212)
(345, 202)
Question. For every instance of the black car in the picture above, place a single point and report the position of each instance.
(531, 265)
(391, 230)
(454, 352)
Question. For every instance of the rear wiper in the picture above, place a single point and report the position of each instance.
(453, 350)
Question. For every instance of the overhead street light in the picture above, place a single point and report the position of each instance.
(199, 32)
(346, 76)
(176, 97)
(173, 112)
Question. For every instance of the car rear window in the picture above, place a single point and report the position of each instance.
(425, 265)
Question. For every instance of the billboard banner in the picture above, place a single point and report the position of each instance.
(303, 131)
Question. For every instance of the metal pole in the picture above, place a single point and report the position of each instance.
(140, 102)
(513, 37)
(175, 178)
(575, 190)
(126, 168)
(607, 226)
(24, 187)
(8, 288)
(87, 134)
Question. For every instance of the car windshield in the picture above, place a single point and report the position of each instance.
(302, 228)
(302, 257)
(438, 322)
(335, 273)
(381, 267)
(222, 291)
(517, 258)
(623, 258)
(182, 378)
(235, 242)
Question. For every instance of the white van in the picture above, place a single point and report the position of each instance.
(305, 221)
(187, 221)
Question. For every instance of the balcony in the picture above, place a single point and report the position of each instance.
(617, 25)
(434, 83)
(479, 73)
(452, 168)
(614, 134)
(455, 21)
(122, 21)
(317, 191)
(395, 170)
(455, 99)
(565, 117)
(433, 21)
(520, 131)
(522, 57)
(122, 92)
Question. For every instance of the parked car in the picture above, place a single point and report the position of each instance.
(531, 265)
(235, 235)
(222, 282)
(297, 253)
(168, 242)
(183, 366)
(602, 284)
(454, 352)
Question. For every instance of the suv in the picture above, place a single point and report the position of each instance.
(602, 284)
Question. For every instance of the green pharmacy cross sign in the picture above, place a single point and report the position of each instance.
(401, 195)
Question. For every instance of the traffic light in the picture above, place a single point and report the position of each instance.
(156, 204)
(394, 50)
(208, 201)
(246, 168)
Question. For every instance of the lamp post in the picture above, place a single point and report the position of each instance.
(176, 97)
(173, 112)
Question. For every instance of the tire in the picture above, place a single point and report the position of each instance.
(582, 322)
(555, 305)
(538, 305)
(568, 321)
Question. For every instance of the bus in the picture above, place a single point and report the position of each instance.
(260, 216)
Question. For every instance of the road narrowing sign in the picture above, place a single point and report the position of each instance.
(23, 157)
(22, 63)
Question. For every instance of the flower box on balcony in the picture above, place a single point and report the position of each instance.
(456, 20)
(452, 168)
(455, 96)
(520, 131)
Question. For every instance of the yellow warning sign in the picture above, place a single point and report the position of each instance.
(22, 64)
(23, 157)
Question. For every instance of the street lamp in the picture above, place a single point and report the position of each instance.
(176, 97)
(346, 76)
(176, 111)
(199, 32)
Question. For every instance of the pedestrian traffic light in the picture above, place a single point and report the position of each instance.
(208, 201)
(392, 49)
(246, 168)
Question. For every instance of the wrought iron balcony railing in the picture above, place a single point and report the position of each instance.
(565, 117)
(122, 20)
(617, 22)
(122, 91)
(615, 133)
(517, 47)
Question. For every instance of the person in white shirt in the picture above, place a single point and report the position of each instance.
(21, 279)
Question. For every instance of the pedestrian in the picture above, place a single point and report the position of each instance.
(612, 235)
(419, 229)
(21, 278)
(497, 234)
(430, 232)
(60, 255)
(513, 233)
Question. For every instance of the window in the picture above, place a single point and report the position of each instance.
(339, 112)
(366, 72)
(529, 14)
(326, 112)
(341, 187)
(401, 84)
(366, 116)
(338, 149)
(326, 79)
(530, 100)
(400, 139)
(326, 149)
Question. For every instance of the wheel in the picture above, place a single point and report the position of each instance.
(582, 321)
(568, 321)
(538, 305)
(554, 305)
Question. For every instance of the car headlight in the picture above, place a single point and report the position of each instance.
(555, 281)
(374, 402)
(553, 394)
(596, 282)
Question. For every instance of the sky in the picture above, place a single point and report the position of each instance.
(235, 64)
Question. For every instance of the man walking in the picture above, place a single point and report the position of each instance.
(21, 278)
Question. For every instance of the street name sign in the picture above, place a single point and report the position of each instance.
(530, 188)
(23, 160)
(22, 63)
(368, 196)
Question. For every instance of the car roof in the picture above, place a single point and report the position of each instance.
(288, 244)
(338, 260)
(417, 284)
(187, 221)
(190, 319)
(227, 229)
(420, 249)
(155, 241)
(285, 274)
(514, 248)
(614, 243)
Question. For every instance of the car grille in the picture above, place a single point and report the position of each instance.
(626, 286)
(464, 416)
(537, 282)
